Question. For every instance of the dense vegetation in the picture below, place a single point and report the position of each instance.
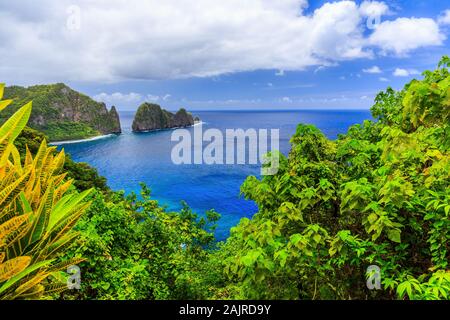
(62, 113)
(134, 249)
(38, 209)
(377, 196)
(84, 176)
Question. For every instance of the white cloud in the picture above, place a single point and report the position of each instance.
(319, 68)
(374, 8)
(405, 34)
(152, 98)
(373, 70)
(444, 18)
(153, 39)
(118, 98)
(131, 99)
(286, 99)
(399, 72)
(280, 73)
(382, 79)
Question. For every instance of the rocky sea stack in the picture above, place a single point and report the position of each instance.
(151, 117)
(62, 113)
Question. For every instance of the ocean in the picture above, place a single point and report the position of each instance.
(130, 158)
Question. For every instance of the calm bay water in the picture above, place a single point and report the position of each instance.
(130, 158)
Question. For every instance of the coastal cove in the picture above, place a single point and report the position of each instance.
(130, 158)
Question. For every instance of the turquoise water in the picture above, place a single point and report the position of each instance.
(131, 158)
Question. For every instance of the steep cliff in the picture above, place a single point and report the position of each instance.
(62, 113)
(150, 117)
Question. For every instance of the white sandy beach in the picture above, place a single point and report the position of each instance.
(57, 143)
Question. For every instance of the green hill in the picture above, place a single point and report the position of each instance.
(62, 113)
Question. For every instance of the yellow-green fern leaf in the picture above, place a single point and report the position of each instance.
(61, 190)
(5, 155)
(65, 264)
(42, 215)
(4, 104)
(34, 293)
(28, 157)
(28, 285)
(13, 267)
(13, 238)
(12, 225)
(67, 223)
(9, 192)
(15, 279)
(56, 288)
(59, 245)
(17, 162)
(14, 125)
(65, 207)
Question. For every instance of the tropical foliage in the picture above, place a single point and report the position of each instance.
(134, 249)
(37, 213)
(83, 175)
(379, 195)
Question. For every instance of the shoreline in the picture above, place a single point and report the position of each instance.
(105, 136)
(166, 129)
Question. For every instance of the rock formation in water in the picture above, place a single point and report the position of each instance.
(151, 117)
(62, 113)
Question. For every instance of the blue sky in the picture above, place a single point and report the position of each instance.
(297, 54)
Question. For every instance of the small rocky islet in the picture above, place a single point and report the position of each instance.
(150, 117)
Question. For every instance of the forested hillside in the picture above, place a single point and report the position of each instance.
(62, 113)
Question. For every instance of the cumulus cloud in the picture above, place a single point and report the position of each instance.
(399, 72)
(444, 18)
(374, 8)
(118, 98)
(124, 40)
(129, 99)
(373, 70)
(405, 34)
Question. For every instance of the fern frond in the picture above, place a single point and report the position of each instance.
(56, 288)
(12, 267)
(15, 279)
(14, 125)
(65, 264)
(34, 293)
(12, 225)
(37, 279)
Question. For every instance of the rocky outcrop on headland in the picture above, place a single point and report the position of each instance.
(150, 116)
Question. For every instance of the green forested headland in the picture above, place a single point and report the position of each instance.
(62, 113)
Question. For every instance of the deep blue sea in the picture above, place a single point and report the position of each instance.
(130, 158)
